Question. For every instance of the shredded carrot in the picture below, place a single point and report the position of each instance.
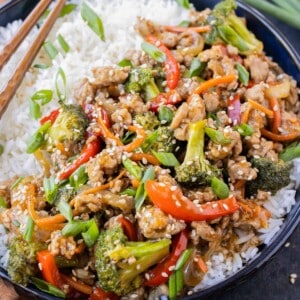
(140, 136)
(149, 157)
(42, 160)
(48, 223)
(204, 86)
(107, 133)
(99, 188)
(274, 105)
(246, 114)
(77, 285)
(135, 183)
(280, 137)
(244, 207)
(198, 29)
(79, 249)
(260, 107)
(240, 185)
(201, 263)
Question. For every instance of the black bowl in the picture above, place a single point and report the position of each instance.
(276, 46)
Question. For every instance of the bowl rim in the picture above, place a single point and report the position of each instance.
(292, 219)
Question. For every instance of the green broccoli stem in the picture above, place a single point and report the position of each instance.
(195, 146)
(142, 264)
(138, 249)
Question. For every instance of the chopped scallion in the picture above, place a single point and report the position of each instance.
(38, 138)
(61, 78)
(183, 258)
(197, 67)
(47, 287)
(91, 235)
(29, 230)
(63, 43)
(34, 110)
(244, 129)
(243, 74)
(3, 203)
(125, 63)
(184, 3)
(50, 189)
(217, 136)
(141, 192)
(219, 188)
(1, 149)
(65, 209)
(41, 66)
(154, 52)
(149, 141)
(165, 115)
(93, 21)
(50, 49)
(67, 9)
(44, 96)
(132, 168)
(16, 183)
(167, 159)
(129, 192)
(75, 227)
(79, 177)
(172, 286)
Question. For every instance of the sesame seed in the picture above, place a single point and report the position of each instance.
(177, 203)
(293, 275)
(225, 206)
(164, 274)
(287, 245)
(173, 188)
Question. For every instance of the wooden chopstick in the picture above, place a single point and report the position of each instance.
(7, 93)
(29, 22)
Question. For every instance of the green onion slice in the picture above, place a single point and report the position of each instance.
(38, 138)
(217, 136)
(67, 9)
(167, 159)
(184, 3)
(244, 129)
(219, 188)
(172, 286)
(65, 209)
(91, 235)
(61, 78)
(243, 74)
(183, 258)
(154, 52)
(63, 43)
(149, 141)
(290, 152)
(141, 192)
(3, 203)
(28, 230)
(34, 110)
(1, 149)
(44, 96)
(50, 49)
(75, 227)
(165, 115)
(132, 168)
(93, 21)
(129, 192)
(125, 63)
(41, 66)
(197, 67)
(47, 287)
(79, 177)
(50, 189)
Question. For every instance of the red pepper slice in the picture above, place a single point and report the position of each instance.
(51, 117)
(100, 294)
(234, 109)
(172, 201)
(170, 98)
(128, 228)
(89, 150)
(49, 268)
(171, 66)
(160, 273)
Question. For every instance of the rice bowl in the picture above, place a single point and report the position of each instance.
(86, 49)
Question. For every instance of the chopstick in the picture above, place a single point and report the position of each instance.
(29, 22)
(13, 83)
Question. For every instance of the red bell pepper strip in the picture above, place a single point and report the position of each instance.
(100, 294)
(51, 117)
(171, 67)
(160, 273)
(234, 109)
(49, 268)
(170, 98)
(128, 228)
(89, 150)
(173, 202)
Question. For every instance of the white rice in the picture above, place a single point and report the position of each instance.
(88, 51)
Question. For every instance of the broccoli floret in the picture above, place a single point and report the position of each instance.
(22, 263)
(271, 177)
(148, 120)
(69, 126)
(112, 251)
(231, 29)
(165, 141)
(141, 80)
(195, 169)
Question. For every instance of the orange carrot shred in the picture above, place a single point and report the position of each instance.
(274, 105)
(280, 137)
(77, 285)
(260, 107)
(201, 264)
(198, 29)
(137, 142)
(149, 157)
